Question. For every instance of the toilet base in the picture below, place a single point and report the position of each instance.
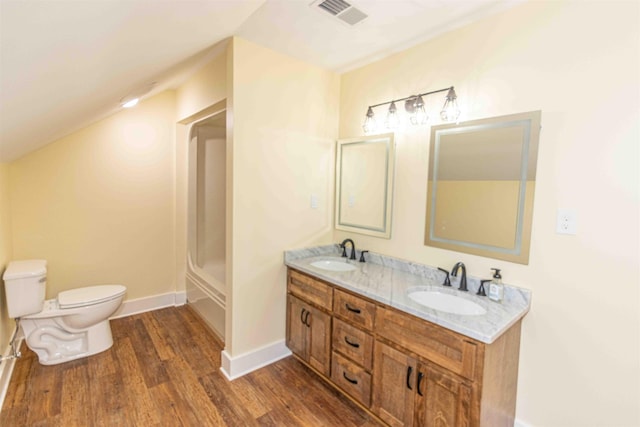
(55, 344)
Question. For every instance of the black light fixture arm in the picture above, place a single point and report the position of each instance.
(412, 96)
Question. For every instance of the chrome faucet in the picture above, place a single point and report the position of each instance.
(343, 245)
(463, 278)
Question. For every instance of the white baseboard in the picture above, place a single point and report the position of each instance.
(518, 423)
(6, 369)
(154, 302)
(237, 366)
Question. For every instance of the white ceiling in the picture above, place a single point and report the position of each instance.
(67, 63)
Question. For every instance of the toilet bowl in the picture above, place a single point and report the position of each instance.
(69, 327)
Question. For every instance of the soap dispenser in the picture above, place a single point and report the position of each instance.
(496, 288)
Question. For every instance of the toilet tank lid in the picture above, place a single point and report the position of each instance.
(25, 268)
(89, 295)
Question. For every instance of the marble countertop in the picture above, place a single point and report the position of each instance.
(389, 280)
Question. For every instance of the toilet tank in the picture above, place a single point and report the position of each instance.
(25, 284)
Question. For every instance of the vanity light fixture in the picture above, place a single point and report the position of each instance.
(392, 116)
(450, 111)
(414, 105)
(369, 123)
(419, 115)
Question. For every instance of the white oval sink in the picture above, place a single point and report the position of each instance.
(447, 303)
(332, 265)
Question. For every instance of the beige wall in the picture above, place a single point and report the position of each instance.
(578, 62)
(6, 325)
(99, 204)
(483, 212)
(284, 117)
(207, 86)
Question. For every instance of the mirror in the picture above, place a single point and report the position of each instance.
(481, 185)
(364, 185)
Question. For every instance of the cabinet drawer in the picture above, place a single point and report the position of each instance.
(354, 309)
(354, 343)
(443, 347)
(310, 290)
(351, 378)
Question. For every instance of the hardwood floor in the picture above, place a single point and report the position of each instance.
(164, 370)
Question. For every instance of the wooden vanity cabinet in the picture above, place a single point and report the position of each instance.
(411, 392)
(352, 345)
(308, 324)
(443, 378)
(405, 370)
(394, 391)
(442, 399)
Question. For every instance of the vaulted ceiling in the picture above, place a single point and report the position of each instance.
(65, 64)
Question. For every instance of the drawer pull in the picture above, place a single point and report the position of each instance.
(409, 371)
(353, 310)
(352, 344)
(420, 377)
(302, 316)
(306, 319)
(344, 374)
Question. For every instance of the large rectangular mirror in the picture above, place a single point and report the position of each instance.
(481, 185)
(364, 185)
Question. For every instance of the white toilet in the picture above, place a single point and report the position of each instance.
(72, 326)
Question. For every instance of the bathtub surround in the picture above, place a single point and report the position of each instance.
(206, 258)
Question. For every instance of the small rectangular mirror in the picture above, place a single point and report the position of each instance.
(481, 186)
(364, 185)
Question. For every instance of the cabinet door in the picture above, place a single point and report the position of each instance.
(442, 399)
(319, 340)
(394, 381)
(296, 327)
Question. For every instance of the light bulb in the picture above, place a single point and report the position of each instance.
(419, 116)
(450, 111)
(369, 125)
(392, 116)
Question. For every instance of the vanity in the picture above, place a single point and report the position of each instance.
(358, 326)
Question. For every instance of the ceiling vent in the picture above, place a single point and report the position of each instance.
(342, 10)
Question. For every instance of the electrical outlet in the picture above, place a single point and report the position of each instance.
(566, 222)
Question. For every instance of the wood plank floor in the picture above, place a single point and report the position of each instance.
(164, 370)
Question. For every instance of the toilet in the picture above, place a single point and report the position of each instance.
(69, 327)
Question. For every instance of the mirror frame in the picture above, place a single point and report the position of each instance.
(385, 230)
(519, 253)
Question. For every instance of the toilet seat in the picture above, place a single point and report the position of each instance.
(89, 295)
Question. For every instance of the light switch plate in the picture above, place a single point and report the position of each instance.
(314, 201)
